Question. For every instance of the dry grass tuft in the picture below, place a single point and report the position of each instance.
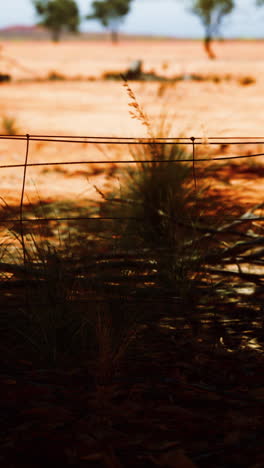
(9, 125)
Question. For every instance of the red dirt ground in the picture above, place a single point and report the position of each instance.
(98, 107)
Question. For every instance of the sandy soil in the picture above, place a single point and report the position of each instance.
(93, 58)
(97, 107)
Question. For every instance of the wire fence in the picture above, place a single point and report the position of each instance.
(194, 142)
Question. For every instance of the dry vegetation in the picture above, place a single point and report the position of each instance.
(135, 341)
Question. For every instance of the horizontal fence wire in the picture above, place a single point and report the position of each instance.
(111, 218)
(109, 139)
(193, 141)
(129, 161)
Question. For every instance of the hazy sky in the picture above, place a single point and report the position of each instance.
(160, 17)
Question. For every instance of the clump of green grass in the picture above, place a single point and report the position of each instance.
(62, 320)
(46, 320)
(160, 204)
(49, 326)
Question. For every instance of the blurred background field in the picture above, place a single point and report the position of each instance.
(40, 103)
(60, 89)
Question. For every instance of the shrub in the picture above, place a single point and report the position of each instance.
(247, 80)
(9, 125)
(55, 76)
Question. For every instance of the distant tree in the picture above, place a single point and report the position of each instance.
(110, 13)
(58, 16)
(211, 13)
